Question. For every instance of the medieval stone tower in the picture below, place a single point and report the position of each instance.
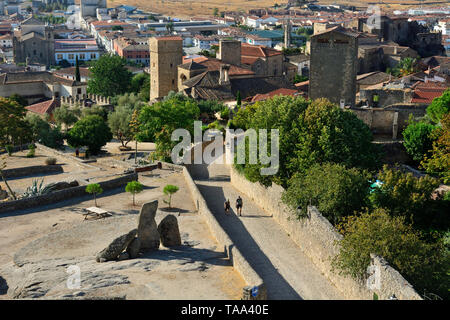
(333, 66)
(166, 54)
(229, 52)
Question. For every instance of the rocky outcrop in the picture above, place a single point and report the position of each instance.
(169, 231)
(56, 186)
(115, 248)
(133, 248)
(147, 229)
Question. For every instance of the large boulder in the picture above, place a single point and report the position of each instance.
(115, 248)
(133, 248)
(147, 229)
(169, 231)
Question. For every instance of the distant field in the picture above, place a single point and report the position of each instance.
(189, 8)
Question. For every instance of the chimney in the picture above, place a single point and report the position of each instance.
(395, 49)
(224, 79)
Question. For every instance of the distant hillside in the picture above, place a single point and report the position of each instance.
(189, 8)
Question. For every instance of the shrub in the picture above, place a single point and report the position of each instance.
(94, 188)
(404, 195)
(418, 139)
(170, 190)
(333, 189)
(134, 187)
(32, 151)
(37, 189)
(50, 161)
(9, 148)
(421, 263)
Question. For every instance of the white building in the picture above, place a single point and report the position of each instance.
(69, 49)
(253, 21)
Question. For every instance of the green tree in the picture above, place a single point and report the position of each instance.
(64, 115)
(422, 264)
(95, 110)
(310, 132)
(77, 70)
(14, 128)
(169, 27)
(439, 106)
(404, 195)
(140, 82)
(405, 67)
(159, 120)
(3, 161)
(19, 99)
(238, 99)
(119, 123)
(94, 188)
(439, 161)
(134, 187)
(109, 76)
(335, 190)
(169, 190)
(117, 28)
(91, 131)
(216, 12)
(418, 139)
(42, 132)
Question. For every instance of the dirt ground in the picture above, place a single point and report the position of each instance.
(51, 237)
(189, 8)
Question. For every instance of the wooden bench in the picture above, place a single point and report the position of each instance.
(98, 212)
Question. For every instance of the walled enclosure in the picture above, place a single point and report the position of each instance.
(238, 261)
(318, 239)
(64, 194)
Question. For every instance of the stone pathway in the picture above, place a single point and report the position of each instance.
(287, 272)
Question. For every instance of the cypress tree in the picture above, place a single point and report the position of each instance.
(77, 70)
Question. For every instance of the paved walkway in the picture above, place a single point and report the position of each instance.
(287, 272)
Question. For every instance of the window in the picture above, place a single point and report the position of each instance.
(71, 56)
(173, 81)
(59, 56)
(93, 56)
(34, 52)
(323, 40)
(82, 56)
(79, 91)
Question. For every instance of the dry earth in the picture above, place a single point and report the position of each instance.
(38, 245)
(190, 8)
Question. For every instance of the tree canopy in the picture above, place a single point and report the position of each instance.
(14, 129)
(310, 132)
(91, 131)
(335, 190)
(439, 106)
(109, 76)
(159, 120)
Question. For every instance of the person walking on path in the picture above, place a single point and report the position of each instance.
(227, 206)
(239, 205)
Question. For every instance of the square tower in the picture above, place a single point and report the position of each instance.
(333, 66)
(166, 54)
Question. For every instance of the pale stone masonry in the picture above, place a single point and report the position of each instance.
(166, 54)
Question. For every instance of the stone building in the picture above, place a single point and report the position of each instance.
(334, 65)
(166, 54)
(38, 86)
(88, 8)
(34, 43)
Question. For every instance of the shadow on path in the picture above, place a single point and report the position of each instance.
(277, 286)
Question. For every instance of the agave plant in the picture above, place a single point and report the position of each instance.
(37, 189)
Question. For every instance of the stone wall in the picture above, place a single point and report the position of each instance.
(32, 170)
(63, 194)
(318, 239)
(388, 121)
(238, 260)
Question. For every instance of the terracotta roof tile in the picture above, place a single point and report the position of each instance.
(43, 108)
